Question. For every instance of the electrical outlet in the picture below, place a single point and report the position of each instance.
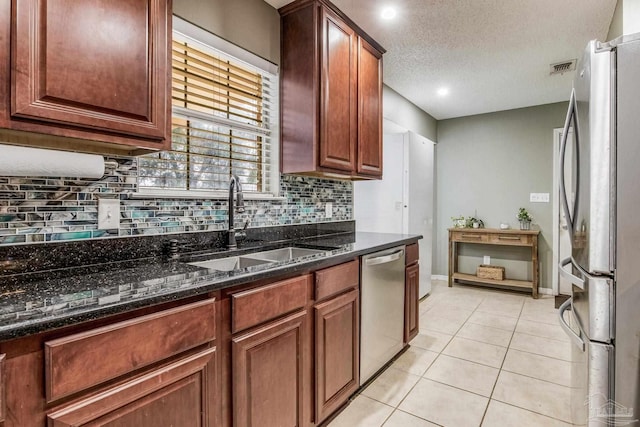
(486, 260)
(108, 214)
(328, 210)
(539, 197)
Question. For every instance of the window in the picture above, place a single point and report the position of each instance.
(223, 121)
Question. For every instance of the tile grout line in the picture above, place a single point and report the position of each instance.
(538, 354)
(493, 389)
(534, 378)
(540, 336)
(500, 369)
(533, 412)
(422, 376)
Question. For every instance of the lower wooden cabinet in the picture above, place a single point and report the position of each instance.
(411, 302)
(3, 398)
(154, 369)
(270, 368)
(183, 393)
(337, 352)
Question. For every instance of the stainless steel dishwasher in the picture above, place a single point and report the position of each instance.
(382, 309)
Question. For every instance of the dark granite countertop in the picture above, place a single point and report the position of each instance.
(36, 302)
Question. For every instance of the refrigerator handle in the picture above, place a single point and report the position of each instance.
(568, 276)
(575, 338)
(571, 117)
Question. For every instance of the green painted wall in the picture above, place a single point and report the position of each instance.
(401, 111)
(487, 165)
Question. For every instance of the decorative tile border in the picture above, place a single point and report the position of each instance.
(39, 209)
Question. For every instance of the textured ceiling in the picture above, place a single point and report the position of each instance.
(492, 55)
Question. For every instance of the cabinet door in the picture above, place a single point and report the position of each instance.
(183, 393)
(411, 302)
(98, 65)
(270, 374)
(369, 109)
(338, 113)
(337, 355)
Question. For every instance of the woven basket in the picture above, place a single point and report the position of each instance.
(490, 272)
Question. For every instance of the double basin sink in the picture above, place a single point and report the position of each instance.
(258, 258)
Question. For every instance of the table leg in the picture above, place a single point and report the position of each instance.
(452, 261)
(536, 267)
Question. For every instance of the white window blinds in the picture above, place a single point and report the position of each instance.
(222, 124)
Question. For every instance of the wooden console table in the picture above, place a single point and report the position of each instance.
(492, 236)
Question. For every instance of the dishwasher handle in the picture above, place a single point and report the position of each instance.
(385, 258)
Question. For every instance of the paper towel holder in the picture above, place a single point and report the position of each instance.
(110, 165)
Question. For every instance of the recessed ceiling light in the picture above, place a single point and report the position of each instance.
(388, 13)
(443, 91)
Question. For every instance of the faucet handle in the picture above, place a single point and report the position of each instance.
(241, 233)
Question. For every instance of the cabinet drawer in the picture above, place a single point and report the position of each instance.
(177, 394)
(83, 360)
(333, 280)
(462, 236)
(511, 239)
(412, 254)
(255, 306)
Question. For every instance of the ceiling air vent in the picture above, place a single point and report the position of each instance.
(562, 67)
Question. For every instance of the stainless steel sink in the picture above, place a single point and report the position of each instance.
(230, 263)
(284, 254)
(257, 258)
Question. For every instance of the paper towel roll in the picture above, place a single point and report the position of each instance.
(25, 161)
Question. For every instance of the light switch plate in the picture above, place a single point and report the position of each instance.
(108, 214)
(539, 197)
(328, 210)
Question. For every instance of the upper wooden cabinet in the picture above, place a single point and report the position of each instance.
(94, 70)
(331, 94)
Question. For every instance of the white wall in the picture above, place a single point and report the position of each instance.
(626, 19)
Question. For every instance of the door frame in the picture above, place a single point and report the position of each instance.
(555, 284)
(557, 133)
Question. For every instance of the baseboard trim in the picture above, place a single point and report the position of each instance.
(439, 277)
(545, 291)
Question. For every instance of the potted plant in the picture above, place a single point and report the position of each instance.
(458, 221)
(473, 222)
(525, 219)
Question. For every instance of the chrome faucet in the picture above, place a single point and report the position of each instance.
(234, 182)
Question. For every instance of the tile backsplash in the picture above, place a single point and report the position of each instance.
(39, 209)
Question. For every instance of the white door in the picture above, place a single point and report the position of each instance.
(420, 202)
(402, 201)
(378, 204)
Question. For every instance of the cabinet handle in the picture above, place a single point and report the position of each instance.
(471, 236)
(509, 237)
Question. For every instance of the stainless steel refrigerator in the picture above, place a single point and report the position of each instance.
(603, 209)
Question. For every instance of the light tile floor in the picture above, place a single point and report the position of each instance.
(484, 357)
